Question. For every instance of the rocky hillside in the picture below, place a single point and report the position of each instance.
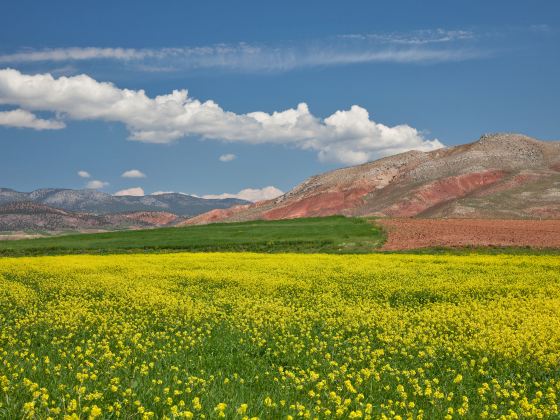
(28, 216)
(498, 176)
(97, 202)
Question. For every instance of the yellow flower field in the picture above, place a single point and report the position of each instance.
(280, 336)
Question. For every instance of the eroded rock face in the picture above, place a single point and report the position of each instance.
(324, 204)
(147, 218)
(442, 191)
(215, 215)
(500, 175)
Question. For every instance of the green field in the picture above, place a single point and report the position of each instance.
(336, 234)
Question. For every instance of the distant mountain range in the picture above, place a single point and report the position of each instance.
(499, 176)
(100, 203)
(64, 210)
(26, 216)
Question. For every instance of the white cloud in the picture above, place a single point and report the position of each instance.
(136, 191)
(170, 192)
(227, 157)
(133, 173)
(426, 46)
(95, 184)
(73, 54)
(347, 136)
(250, 194)
(24, 119)
(162, 192)
(420, 37)
(84, 174)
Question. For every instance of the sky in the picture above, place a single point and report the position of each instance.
(248, 99)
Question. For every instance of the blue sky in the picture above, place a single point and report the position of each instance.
(419, 75)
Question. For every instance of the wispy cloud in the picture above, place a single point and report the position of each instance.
(84, 174)
(421, 37)
(543, 27)
(73, 54)
(429, 46)
(227, 157)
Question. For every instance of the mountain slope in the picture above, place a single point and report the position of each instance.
(96, 202)
(498, 176)
(29, 216)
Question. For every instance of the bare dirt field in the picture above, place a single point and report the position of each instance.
(13, 236)
(421, 233)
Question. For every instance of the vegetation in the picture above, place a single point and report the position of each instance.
(334, 234)
(479, 250)
(279, 336)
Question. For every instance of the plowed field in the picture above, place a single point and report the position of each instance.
(422, 233)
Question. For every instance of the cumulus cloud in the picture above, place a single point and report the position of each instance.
(346, 136)
(133, 173)
(84, 174)
(96, 184)
(21, 118)
(135, 191)
(227, 157)
(250, 194)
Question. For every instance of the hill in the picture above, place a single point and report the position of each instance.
(29, 216)
(97, 202)
(506, 176)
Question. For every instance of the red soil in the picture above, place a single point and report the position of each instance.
(421, 233)
(441, 191)
(324, 204)
(156, 218)
(515, 181)
(216, 215)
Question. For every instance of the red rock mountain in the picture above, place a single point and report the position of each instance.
(498, 176)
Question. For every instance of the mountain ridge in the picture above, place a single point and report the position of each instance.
(500, 175)
(29, 216)
(100, 203)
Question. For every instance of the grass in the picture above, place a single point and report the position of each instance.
(336, 234)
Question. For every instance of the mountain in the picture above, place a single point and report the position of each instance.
(498, 176)
(29, 216)
(96, 202)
